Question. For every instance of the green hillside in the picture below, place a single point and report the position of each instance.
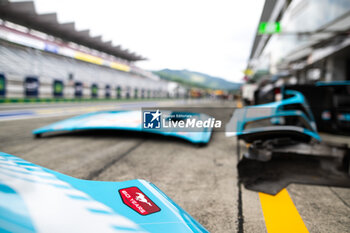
(196, 79)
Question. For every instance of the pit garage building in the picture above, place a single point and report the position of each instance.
(312, 43)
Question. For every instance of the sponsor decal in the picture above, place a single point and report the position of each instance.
(138, 201)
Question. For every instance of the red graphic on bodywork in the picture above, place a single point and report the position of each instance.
(138, 201)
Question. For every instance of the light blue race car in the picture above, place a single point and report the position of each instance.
(282, 146)
(36, 199)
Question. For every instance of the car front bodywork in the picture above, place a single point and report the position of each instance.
(36, 199)
(127, 121)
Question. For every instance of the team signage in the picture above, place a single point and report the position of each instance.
(269, 28)
(138, 201)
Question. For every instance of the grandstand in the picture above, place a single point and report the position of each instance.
(42, 58)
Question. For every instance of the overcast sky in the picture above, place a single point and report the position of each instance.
(212, 37)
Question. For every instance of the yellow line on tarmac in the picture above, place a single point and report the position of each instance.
(239, 104)
(280, 213)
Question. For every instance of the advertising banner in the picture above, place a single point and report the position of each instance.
(31, 87)
(58, 88)
(78, 89)
(2, 85)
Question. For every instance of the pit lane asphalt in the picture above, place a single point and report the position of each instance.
(202, 180)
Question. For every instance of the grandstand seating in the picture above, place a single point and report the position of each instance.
(20, 61)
